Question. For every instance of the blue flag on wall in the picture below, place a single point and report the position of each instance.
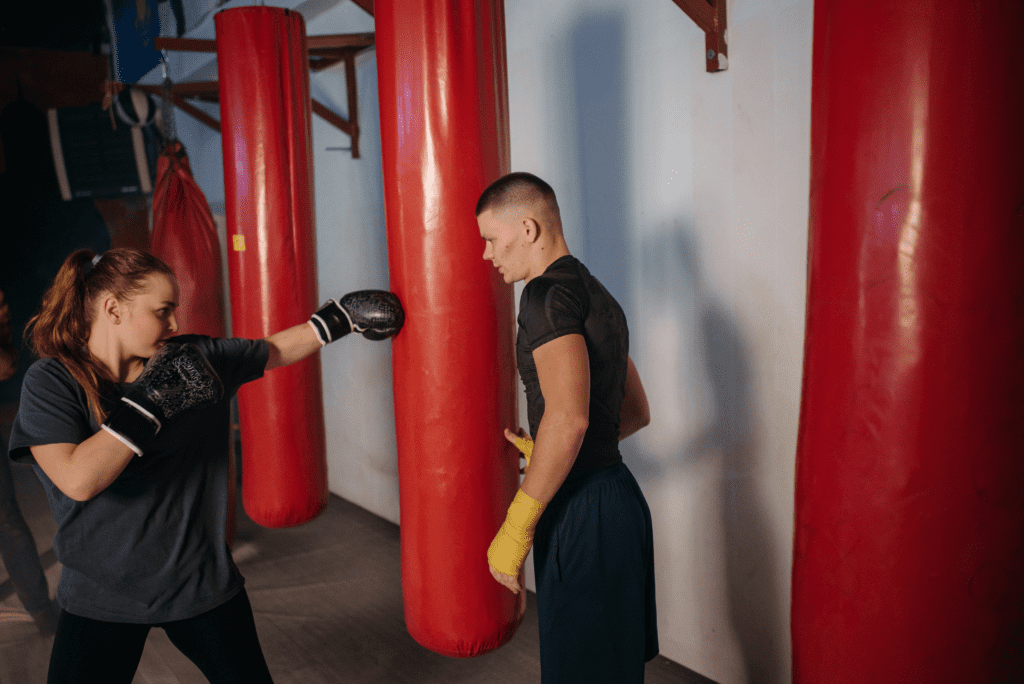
(134, 25)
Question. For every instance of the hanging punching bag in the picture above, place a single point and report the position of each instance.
(909, 548)
(444, 138)
(185, 237)
(263, 68)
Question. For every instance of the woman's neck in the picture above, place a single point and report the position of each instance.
(106, 349)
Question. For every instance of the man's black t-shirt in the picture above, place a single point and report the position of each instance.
(564, 300)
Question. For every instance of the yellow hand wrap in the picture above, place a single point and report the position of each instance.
(525, 445)
(507, 552)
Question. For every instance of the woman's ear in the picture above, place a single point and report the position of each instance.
(112, 309)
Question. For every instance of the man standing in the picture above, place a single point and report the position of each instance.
(579, 505)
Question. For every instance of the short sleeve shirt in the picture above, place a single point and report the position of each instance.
(564, 300)
(152, 546)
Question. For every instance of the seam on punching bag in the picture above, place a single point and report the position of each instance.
(290, 104)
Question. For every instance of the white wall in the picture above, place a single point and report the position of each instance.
(352, 255)
(687, 195)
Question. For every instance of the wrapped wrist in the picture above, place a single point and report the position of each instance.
(512, 543)
(525, 446)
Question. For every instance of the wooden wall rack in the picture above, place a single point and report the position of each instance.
(324, 52)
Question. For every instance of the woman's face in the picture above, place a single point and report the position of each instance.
(148, 317)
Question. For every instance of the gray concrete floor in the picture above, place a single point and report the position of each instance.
(327, 598)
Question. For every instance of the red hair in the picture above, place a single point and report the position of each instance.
(61, 328)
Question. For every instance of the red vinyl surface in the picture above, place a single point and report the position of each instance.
(444, 137)
(268, 187)
(909, 548)
(185, 237)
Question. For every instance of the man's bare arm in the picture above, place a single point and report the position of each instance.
(563, 369)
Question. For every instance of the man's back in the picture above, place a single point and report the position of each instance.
(566, 299)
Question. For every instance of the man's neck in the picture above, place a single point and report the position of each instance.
(546, 256)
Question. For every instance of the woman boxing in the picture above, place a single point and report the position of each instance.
(127, 428)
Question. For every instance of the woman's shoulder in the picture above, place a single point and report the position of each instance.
(48, 371)
(50, 378)
(198, 340)
(218, 345)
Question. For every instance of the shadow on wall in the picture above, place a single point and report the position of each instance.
(699, 327)
(708, 332)
(599, 88)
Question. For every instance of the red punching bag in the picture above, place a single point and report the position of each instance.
(909, 559)
(263, 69)
(444, 138)
(185, 237)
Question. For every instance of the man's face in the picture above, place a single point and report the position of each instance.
(504, 245)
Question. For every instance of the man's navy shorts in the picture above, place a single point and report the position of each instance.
(594, 561)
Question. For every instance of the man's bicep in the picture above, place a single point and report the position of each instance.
(563, 370)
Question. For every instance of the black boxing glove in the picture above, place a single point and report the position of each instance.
(177, 378)
(376, 314)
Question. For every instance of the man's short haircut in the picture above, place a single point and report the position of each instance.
(514, 188)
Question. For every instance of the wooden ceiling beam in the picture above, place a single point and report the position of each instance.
(185, 44)
(313, 43)
(340, 40)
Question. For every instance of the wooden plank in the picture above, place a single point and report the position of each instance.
(185, 44)
(197, 113)
(366, 5)
(701, 12)
(353, 103)
(194, 88)
(319, 64)
(709, 15)
(313, 43)
(183, 106)
(331, 117)
(340, 40)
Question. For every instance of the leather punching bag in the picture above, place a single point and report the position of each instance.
(909, 548)
(444, 138)
(263, 68)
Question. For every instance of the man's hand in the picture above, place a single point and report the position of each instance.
(523, 443)
(512, 543)
(514, 584)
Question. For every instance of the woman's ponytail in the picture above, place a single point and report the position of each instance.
(61, 328)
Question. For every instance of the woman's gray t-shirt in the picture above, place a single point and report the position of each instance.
(152, 546)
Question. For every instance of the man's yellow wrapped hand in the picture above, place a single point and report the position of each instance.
(508, 551)
(525, 445)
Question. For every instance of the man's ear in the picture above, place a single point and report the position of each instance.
(531, 229)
